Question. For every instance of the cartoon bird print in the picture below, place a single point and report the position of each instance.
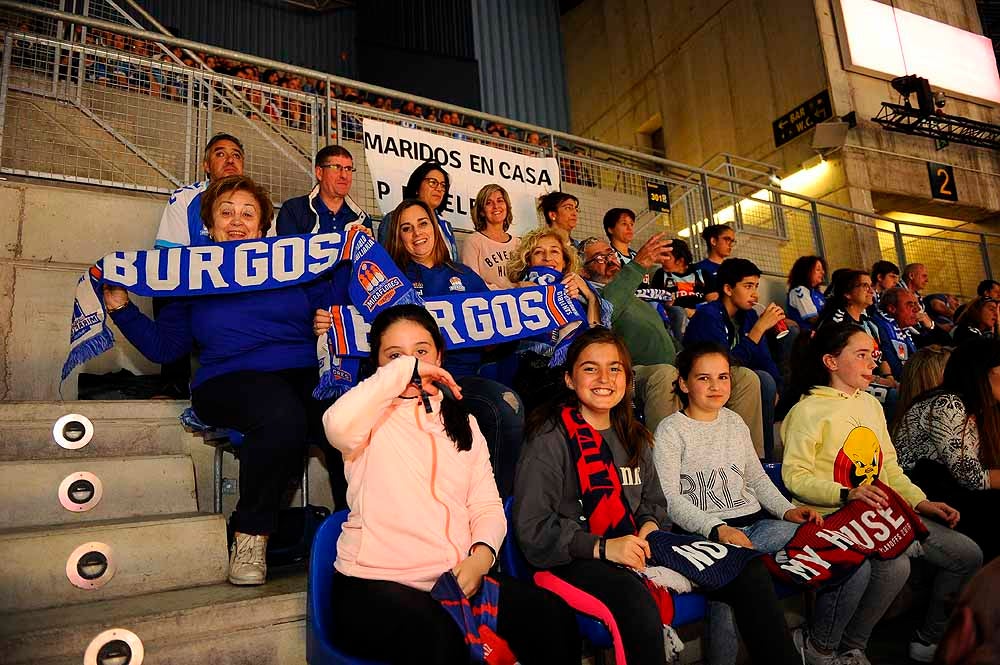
(859, 460)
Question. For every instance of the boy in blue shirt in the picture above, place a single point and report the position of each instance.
(732, 322)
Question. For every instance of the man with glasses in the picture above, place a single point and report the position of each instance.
(896, 314)
(328, 207)
(647, 338)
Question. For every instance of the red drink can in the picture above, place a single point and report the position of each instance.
(780, 329)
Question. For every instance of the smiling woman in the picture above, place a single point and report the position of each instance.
(488, 250)
(258, 369)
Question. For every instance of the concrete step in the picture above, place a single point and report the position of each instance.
(148, 555)
(220, 624)
(122, 428)
(32, 492)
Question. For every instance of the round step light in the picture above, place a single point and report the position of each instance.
(80, 491)
(90, 566)
(73, 431)
(115, 647)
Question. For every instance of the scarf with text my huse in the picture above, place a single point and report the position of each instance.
(818, 554)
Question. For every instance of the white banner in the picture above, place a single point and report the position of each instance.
(393, 152)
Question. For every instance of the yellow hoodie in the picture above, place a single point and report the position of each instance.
(833, 440)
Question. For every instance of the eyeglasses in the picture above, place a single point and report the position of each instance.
(866, 286)
(338, 169)
(434, 183)
(731, 241)
(601, 258)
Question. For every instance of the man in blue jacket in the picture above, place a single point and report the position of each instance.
(328, 207)
(732, 322)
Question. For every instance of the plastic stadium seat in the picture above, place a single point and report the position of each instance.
(773, 470)
(688, 607)
(319, 649)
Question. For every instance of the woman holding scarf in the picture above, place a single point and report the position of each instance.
(417, 245)
(595, 540)
(257, 373)
(545, 256)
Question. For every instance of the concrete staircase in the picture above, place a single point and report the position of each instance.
(132, 511)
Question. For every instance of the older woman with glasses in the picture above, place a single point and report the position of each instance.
(429, 183)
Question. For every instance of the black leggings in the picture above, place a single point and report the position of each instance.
(278, 418)
(395, 623)
(758, 613)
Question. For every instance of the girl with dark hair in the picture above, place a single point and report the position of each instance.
(423, 502)
(429, 183)
(557, 533)
(805, 300)
(848, 299)
(619, 226)
(704, 452)
(836, 446)
(978, 320)
(949, 440)
(720, 241)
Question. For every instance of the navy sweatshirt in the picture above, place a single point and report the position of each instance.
(255, 330)
(711, 323)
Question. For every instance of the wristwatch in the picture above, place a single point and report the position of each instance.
(843, 494)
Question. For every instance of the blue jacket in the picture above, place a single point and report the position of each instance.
(895, 344)
(805, 306)
(711, 323)
(263, 331)
(450, 279)
(308, 214)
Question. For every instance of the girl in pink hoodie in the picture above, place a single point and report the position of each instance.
(423, 501)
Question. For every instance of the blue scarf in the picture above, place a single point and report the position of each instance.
(376, 283)
(467, 320)
(555, 344)
(476, 617)
(231, 267)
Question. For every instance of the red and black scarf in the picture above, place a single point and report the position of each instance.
(604, 504)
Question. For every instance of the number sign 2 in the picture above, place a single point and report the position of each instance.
(942, 178)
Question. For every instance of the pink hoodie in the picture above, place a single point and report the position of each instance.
(417, 503)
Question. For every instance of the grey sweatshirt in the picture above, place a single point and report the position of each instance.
(710, 472)
(548, 514)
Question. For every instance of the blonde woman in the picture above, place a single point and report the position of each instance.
(488, 250)
(545, 256)
(923, 372)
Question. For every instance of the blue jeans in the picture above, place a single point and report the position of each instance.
(768, 392)
(956, 558)
(843, 612)
(500, 415)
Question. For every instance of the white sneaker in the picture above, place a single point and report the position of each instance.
(854, 657)
(921, 652)
(247, 562)
(810, 654)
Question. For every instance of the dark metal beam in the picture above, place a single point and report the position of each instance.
(952, 128)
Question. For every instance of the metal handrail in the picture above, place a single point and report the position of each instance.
(444, 106)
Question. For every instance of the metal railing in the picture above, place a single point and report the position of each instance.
(75, 106)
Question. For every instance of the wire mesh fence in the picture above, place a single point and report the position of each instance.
(103, 108)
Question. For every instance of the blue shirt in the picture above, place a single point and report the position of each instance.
(895, 344)
(181, 224)
(708, 269)
(805, 305)
(711, 323)
(257, 330)
(309, 214)
(450, 279)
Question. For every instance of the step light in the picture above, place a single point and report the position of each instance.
(73, 431)
(90, 566)
(80, 491)
(117, 646)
